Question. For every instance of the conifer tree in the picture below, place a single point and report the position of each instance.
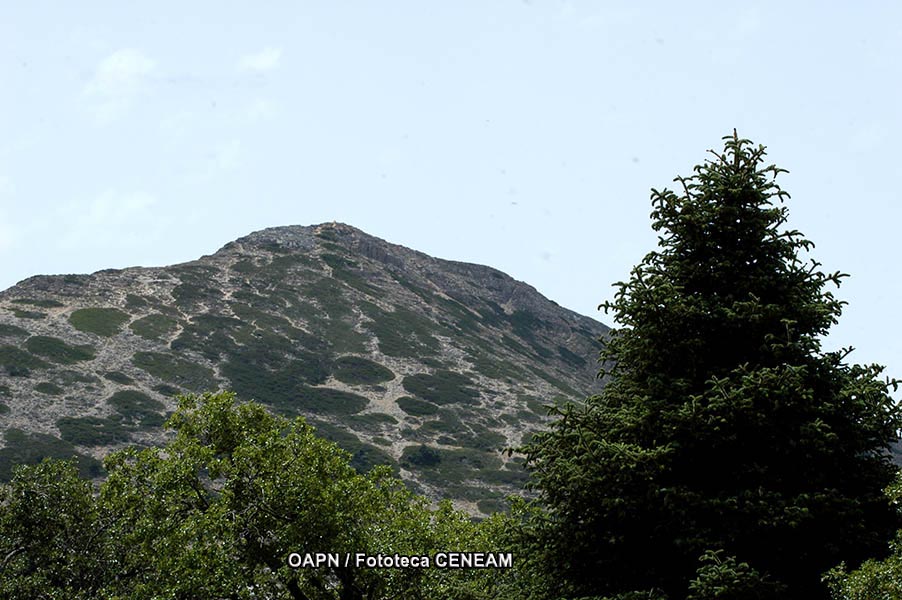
(728, 456)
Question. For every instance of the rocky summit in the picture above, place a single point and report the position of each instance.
(427, 365)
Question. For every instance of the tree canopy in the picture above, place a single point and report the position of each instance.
(728, 456)
(217, 512)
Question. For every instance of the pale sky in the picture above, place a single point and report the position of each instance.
(524, 135)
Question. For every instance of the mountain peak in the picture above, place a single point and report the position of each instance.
(424, 364)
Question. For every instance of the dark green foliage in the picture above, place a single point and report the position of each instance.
(49, 532)
(105, 322)
(442, 387)
(328, 401)
(574, 360)
(416, 407)
(154, 326)
(133, 302)
(175, 370)
(402, 332)
(12, 331)
(439, 466)
(490, 506)
(19, 363)
(59, 351)
(525, 324)
(118, 377)
(372, 421)
(42, 303)
(724, 427)
(28, 314)
(420, 456)
(215, 513)
(28, 448)
(46, 387)
(137, 408)
(363, 456)
(4, 409)
(355, 370)
(67, 378)
(166, 389)
(91, 431)
(196, 286)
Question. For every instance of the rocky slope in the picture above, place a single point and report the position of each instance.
(428, 365)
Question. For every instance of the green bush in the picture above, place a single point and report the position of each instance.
(59, 351)
(91, 431)
(27, 314)
(443, 387)
(329, 401)
(166, 389)
(105, 322)
(175, 370)
(39, 303)
(19, 363)
(420, 456)
(137, 407)
(416, 407)
(28, 448)
(372, 421)
(355, 370)
(118, 377)
(46, 387)
(12, 331)
(153, 326)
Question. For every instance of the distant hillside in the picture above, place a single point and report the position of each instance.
(428, 365)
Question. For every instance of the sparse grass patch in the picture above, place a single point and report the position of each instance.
(118, 377)
(490, 506)
(174, 370)
(153, 326)
(28, 314)
(19, 363)
(67, 377)
(372, 421)
(59, 351)
(416, 407)
(51, 389)
(355, 370)
(329, 401)
(571, 358)
(137, 407)
(133, 301)
(442, 387)
(167, 390)
(39, 302)
(105, 322)
(12, 331)
(91, 431)
(28, 448)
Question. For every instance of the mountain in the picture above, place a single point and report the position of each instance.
(428, 365)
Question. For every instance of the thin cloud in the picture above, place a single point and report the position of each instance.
(117, 80)
(265, 60)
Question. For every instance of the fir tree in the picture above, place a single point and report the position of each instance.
(726, 439)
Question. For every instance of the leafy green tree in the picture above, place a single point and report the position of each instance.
(875, 579)
(216, 514)
(724, 431)
(53, 537)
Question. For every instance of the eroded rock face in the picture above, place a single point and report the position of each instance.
(428, 365)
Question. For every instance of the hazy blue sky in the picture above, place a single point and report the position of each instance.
(520, 134)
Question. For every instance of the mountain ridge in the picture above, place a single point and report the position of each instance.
(425, 364)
